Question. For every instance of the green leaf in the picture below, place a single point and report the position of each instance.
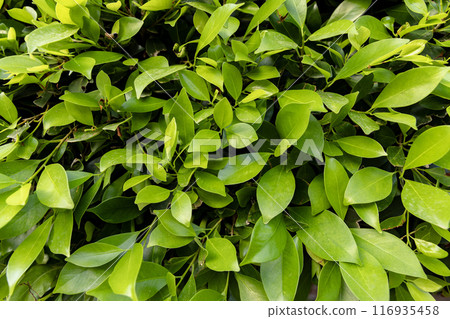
(316, 235)
(152, 194)
(223, 113)
(208, 295)
(57, 116)
(408, 87)
(48, 34)
(250, 289)
(398, 118)
(280, 276)
(418, 294)
(181, 208)
(182, 111)
(275, 41)
(232, 79)
(150, 75)
(94, 255)
(331, 30)
(116, 210)
(210, 183)
(371, 54)
(205, 141)
(19, 63)
(417, 6)
(368, 185)
(434, 265)
(157, 5)
(215, 23)
(26, 253)
(427, 202)
(350, 9)
(241, 135)
(73, 279)
(275, 191)
(297, 10)
(126, 28)
(8, 110)
(194, 85)
(367, 281)
(263, 13)
(329, 282)
(292, 121)
(172, 225)
(429, 147)
(361, 146)
(53, 188)
(83, 65)
(242, 167)
(267, 241)
(317, 195)
(221, 255)
(124, 276)
(61, 235)
(336, 181)
(161, 237)
(390, 251)
(211, 75)
(369, 214)
(335, 102)
(310, 98)
(430, 249)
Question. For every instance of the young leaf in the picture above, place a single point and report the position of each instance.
(223, 113)
(429, 147)
(221, 255)
(263, 13)
(427, 202)
(232, 79)
(292, 121)
(49, 34)
(181, 208)
(368, 185)
(361, 146)
(8, 110)
(124, 276)
(53, 188)
(61, 235)
(408, 87)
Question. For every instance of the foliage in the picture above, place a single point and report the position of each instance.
(224, 150)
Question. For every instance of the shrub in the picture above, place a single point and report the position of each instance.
(210, 150)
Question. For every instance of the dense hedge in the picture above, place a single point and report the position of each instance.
(224, 150)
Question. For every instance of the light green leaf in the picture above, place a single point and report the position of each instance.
(161, 237)
(315, 234)
(275, 191)
(275, 41)
(369, 214)
(329, 282)
(310, 98)
(430, 249)
(336, 181)
(335, 102)
(221, 255)
(157, 5)
(172, 225)
(317, 195)
(210, 183)
(361, 146)
(61, 235)
(8, 110)
(292, 121)
(57, 116)
(242, 167)
(371, 54)
(83, 65)
(241, 135)
(151, 75)
(417, 6)
(368, 185)
(152, 194)
(297, 10)
(267, 241)
(182, 111)
(331, 30)
(406, 119)
(94, 255)
(427, 202)
(368, 281)
(125, 273)
(223, 113)
(205, 141)
(429, 147)
(263, 13)
(418, 294)
(53, 188)
(350, 9)
(250, 289)
(215, 23)
(409, 87)
(232, 79)
(390, 251)
(211, 75)
(26, 253)
(280, 276)
(48, 34)
(434, 265)
(181, 208)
